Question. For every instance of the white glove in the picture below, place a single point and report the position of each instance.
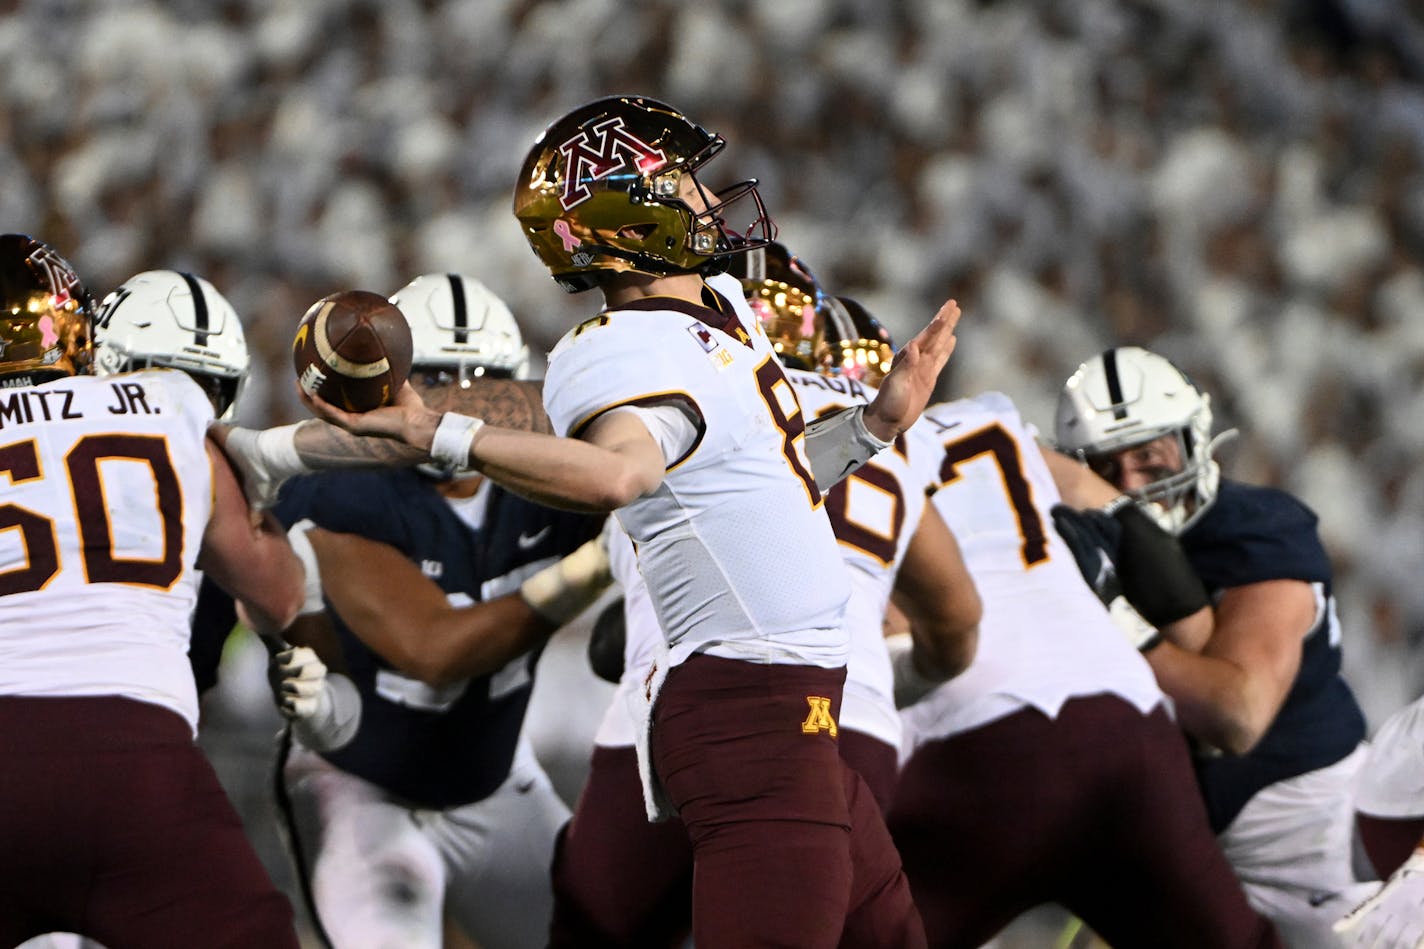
(324, 708)
(1394, 917)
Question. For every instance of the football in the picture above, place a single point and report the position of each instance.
(353, 349)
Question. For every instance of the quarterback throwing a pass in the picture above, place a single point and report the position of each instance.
(675, 413)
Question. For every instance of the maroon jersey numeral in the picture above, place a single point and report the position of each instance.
(998, 444)
(768, 376)
(20, 462)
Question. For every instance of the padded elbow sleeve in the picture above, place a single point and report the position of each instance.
(1156, 576)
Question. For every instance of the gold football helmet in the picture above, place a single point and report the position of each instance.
(787, 299)
(611, 187)
(864, 353)
(809, 328)
(46, 315)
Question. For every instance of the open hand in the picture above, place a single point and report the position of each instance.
(400, 420)
(911, 381)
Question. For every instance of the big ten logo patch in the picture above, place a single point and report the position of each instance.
(819, 719)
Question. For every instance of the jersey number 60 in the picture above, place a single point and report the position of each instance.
(21, 462)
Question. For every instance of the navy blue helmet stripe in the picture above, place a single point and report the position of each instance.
(462, 316)
(1114, 383)
(200, 309)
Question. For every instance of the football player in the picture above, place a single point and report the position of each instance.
(413, 790)
(1050, 771)
(1276, 731)
(622, 881)
(116, 826)
(175, 320)
(672, 409)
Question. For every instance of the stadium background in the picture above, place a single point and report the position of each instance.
(1237, 183)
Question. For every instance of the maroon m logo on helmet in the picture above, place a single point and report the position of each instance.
(62, 279)
(599, 151)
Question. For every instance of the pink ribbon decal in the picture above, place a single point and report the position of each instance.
(48, 336)
(561, 228)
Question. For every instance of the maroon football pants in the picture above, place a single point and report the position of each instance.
(621, 880)
(789, 846)
(1097, 810)
(1388, 841)
(113, 825)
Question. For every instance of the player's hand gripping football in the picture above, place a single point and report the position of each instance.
(408, 419)
(911, 382)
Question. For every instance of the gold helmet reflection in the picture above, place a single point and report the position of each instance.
(46, 315)
(786, 297)
(864, 351)
(603, 188)
(809, 328)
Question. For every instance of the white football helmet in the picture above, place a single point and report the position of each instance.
(177, 320)
(460, 330)
(1129, 396)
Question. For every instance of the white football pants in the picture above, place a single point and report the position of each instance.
(1292, 847)
(383, 872)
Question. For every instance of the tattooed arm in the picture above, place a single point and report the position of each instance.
(506, 403)
(265, 459)
(613, 461)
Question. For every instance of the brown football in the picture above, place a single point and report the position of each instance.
(353, 348)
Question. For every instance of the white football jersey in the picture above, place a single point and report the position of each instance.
(1044, 637)
(729, 539)
(107, 491)
(874, 513)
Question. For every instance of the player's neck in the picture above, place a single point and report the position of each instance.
(623, 288)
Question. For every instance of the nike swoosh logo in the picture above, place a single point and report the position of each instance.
(526, 541)
(1320, 898)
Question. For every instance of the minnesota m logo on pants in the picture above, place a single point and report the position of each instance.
(819, 717)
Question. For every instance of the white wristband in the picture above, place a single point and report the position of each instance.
(265, 459)
(453, 437)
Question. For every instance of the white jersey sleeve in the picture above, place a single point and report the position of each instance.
(1044, 637)
(725, 541)
(108, 490)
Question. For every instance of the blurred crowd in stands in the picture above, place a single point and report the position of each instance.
(1237, 183)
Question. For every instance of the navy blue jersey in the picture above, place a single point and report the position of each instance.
(213, 619)
(1253, 534)
(436, 748)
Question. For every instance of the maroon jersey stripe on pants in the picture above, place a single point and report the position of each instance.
(116, 827)
(1097, 809)
(790, 848)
